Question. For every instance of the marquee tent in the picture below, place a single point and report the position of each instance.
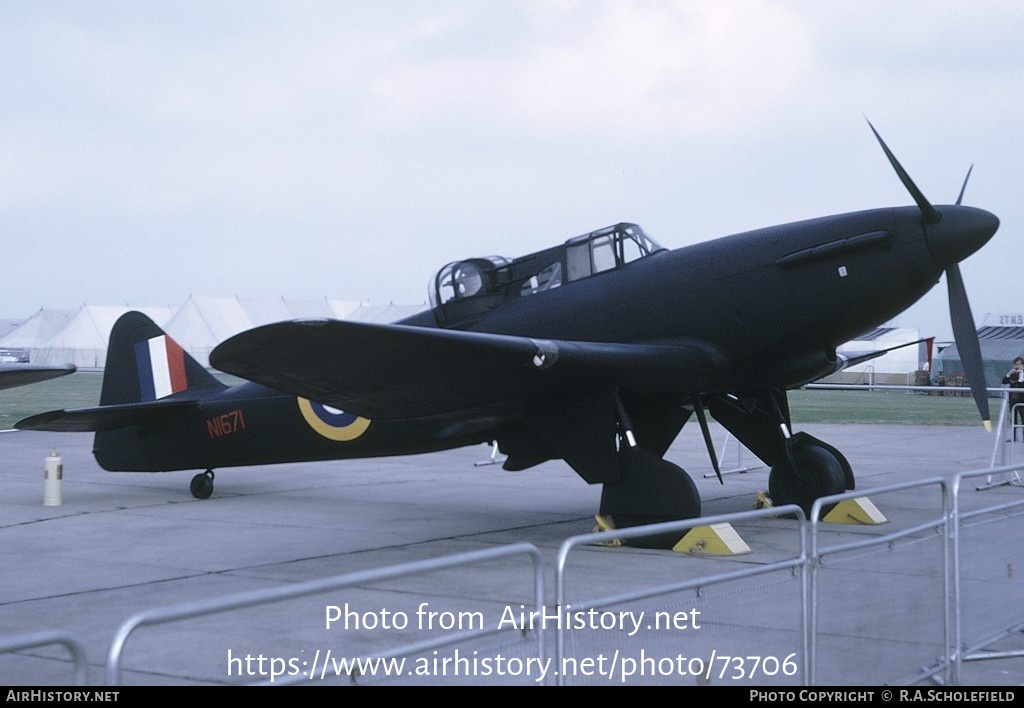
(80, 338)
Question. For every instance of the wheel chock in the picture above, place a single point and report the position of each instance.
(605, 524)
(855, 511)
(763, 501)
(713, 540)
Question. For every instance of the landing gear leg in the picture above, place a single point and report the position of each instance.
(202, 485)
(803, 467)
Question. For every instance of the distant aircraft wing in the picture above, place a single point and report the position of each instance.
(392, 371)
(110, 417)
(12, 375)
(853, 358)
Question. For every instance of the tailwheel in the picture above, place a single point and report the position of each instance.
(202, 485)
(817, 470)
(652, 490)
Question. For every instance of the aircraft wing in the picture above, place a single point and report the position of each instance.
(390, 371)
(12, 375)
(110, 417)
(853, 358)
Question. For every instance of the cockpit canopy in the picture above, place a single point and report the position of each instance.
(463, 279)
(464, 290)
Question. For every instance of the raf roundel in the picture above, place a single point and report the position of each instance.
(332, 423)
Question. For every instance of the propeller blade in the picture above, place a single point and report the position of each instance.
(928, 213)
(962, 236)
(966, 336)
(964, 187)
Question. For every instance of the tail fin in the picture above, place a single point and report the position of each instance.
(148, 378)
(146, 365)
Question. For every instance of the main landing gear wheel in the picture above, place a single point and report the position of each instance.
(652, 491)
(202, 485)
(817, 473)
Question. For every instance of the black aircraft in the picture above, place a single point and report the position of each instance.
(596, 352)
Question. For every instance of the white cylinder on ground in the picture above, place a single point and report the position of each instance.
(52, 476)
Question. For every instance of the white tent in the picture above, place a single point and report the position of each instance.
(204, 322)
(383, 313)
(331, 309)
(8, 326)
(37, 329)
(83, 340)
(266, 311)
(80, 338)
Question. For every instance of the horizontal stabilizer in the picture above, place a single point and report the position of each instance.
(83, 420)
(12, 375)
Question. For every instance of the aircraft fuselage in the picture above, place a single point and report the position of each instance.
(775, 299)
(774, 302)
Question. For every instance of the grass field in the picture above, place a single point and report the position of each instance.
(907, 407)
(75, 391)
(82, 389)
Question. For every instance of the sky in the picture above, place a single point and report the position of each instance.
(150, 151)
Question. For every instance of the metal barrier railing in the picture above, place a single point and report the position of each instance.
(200, 608)
(798, 563)
(805, 561)
(45, 638)
(741, 466)
(959, 652)
(1005, 447)
(940, 522)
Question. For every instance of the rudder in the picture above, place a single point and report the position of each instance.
(145, 364)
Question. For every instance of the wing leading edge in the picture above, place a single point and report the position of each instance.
(404, 372)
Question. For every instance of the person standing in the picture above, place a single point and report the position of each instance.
(1015, 378)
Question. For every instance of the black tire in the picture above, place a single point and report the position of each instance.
(202, 485)
(653, 491)
(818, 473)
